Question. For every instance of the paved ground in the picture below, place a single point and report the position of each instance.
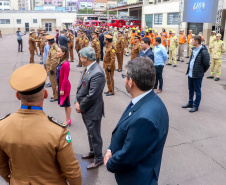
(195, 149)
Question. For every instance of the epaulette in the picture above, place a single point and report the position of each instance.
(4, 117)
(113, 46)
(57, 122)
(54, 47)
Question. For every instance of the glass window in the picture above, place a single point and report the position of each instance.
(158, 19)
(7, 21)
(18, 21)
(35, 21)
(173, 19)
(0, 3)
(6, 3)
(2, 21)
(113, 21)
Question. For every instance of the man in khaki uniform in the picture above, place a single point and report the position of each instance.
(78, 47)
(136, 47)
(109, 64)
(115, 36)
(39, 39)
(71, 45)
(182, 41)
(127, 40)
(35, 148)
(173, 49)
(51, 64)
(212, 39)
(83, 42)
(32, 46)
(96, 45)
(218, 49)
(120, 44)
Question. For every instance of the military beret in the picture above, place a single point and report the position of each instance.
(57, 30)
(28, 79)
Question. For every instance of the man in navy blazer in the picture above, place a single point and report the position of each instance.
(137, 142)
(146, 50)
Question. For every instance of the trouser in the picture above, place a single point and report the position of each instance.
(159, 70)
(210, 51)
(97, 59)
(32, 55)
(41, 53)
(79, 60)
(71, 53)
(101, 51)
(110, 81)
(188, 50)
(181, 52)
(20, 45)
(120, 60)
(53, 82)
(36, 50)
(172, 54)
(217, 63)
(94, 136)
(194, 86)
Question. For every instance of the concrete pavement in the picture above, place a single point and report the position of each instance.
(195, 149)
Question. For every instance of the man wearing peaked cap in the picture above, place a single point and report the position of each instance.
(212, 39)
(32, 45)
(136, 47)
(120, 45)
(96, 45)
(51, 64)
(34, 147)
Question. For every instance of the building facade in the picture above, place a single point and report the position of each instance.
(27, 20)
(5, 5)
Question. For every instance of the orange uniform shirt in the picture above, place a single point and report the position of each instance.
(163, 38)
(189, 38)
(170, 35)
(182, 39)
(132, 38)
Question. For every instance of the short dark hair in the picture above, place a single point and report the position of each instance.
(142, 71)
(146, 40)
(158, 39)
(51, 41)
(198, 38)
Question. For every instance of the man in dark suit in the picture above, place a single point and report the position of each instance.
(89, 102)
(137, 142)
(101, 38)
(146, 50)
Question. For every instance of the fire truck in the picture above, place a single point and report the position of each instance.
(128, 22)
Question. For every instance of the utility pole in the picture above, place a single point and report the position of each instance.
(219, 15)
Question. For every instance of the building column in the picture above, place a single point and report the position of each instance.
(117, 13)
(128, 12)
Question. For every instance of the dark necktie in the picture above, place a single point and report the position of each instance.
(129, 106)
(84, 73)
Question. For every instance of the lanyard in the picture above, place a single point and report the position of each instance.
(31, 107)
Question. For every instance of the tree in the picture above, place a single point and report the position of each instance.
(84, 11)
(110, 12)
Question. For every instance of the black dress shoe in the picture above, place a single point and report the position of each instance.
(21, 51)
(116, 70)
(187, 57)
(178, 60)
(169, 64)
(119, 70)
(174, 65)
(217, 79)
(53, 100)
(210, 77)
(78, 66)
(109, 94)
(94, 165)
(106, 92)
(194, 109)
(48, 85)
(88, 156)
(187, 106)
(182, 60)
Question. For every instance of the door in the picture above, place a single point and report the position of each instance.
(48, 26)
(195, 27)
(26, 27)
(149, 20)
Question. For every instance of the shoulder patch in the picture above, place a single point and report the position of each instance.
(53, 51)
(4, 117)
(68, 137)
(86, 40)
(97, 42)
(113, 50)
(57, 122)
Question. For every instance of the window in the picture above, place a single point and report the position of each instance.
(0, 3)
(35, 21)
(158, 19)
(4, 21)
(173, 19)
(102, 6)
(6, 3)
(18, 21)
(113, 21)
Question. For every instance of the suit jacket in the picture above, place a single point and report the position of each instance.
(148, 53)
(101, 38)
(89, 93)
(137, 142)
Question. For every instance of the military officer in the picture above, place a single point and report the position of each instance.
(182, 40)
(34, 147)
(173, 49)
(39, 39)
(127, 38)
(136, 47)
(218, 49)
(77, 46)
(96, 45)
(71, 45)
(43, 43)
(109, 64)
(120, 44)
(32, 42)
(115, 36)
(212, 39)
(51, 64)
(85, 40)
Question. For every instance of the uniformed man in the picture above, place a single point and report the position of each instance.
(164, 32)
(155, 35)
(218, 49)
(85, 40)
(115, 35)
(136, 47)
(32, 42)
(212, 39)
(80, 47)
(188, 41)
(164, 40)
(0, 34)
(127, 39)
(71, 45)
(109, 64)
(203, 39)
(132, 37)
(51, 64)
(96, 45)
(34, 147)
(170, 35)
(173, 49)
(77, 45)
(182, 40)
(43, 43)
(39, 39)
(120, 44)
(151, 35)
(191, 45)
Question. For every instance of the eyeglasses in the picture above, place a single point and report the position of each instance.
(124, 75)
